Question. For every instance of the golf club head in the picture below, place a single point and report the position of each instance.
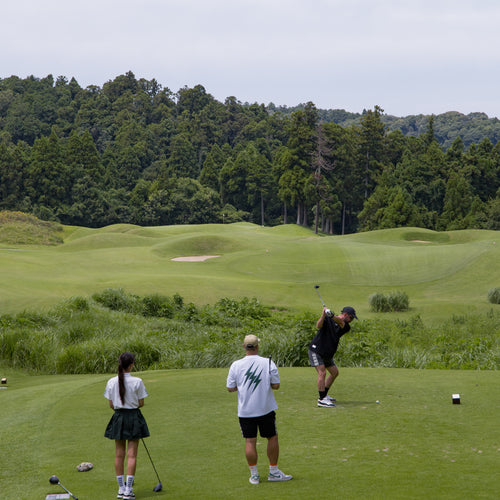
(319, 295)
(54, 480)
(158, 487)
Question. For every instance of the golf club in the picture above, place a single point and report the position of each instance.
(328, 312)
(55, 480)
(159, 486)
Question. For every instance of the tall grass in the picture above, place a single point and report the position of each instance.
(393, 301)
(494, 296)
(19, 228)
(86, 335)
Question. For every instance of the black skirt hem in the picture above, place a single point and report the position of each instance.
(127, 425)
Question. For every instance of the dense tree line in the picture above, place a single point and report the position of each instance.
(133, 151)
(471, 128)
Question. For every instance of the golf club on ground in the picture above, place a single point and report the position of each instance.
(159, 486)
(55, 480)
(328, 312)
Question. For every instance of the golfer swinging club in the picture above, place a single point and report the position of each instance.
(323, 347)
(255, 378)
(126, 395)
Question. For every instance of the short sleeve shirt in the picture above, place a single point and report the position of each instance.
(135, 390)
(326, 340)
(253, 376)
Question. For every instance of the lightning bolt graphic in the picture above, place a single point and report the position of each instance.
(252, 378)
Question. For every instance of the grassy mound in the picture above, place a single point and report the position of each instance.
(18, 228)
(279, 265)
(198, 245)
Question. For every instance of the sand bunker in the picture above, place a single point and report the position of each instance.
(195, 258)
(420, 241)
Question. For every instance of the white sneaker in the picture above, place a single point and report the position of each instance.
(254, 479)
(128, 495)
(325, 402)
(332, 400)
(120, 494)
(278, 476)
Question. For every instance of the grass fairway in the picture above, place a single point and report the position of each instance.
(442, 273)
(414, 444)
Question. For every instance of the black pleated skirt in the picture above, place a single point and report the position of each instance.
(127, 424)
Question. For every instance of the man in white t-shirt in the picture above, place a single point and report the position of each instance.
(255, 378)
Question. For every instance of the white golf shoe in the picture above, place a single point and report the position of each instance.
(278, 476)
(325, 402)
(254, 479)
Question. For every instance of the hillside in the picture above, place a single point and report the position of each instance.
(279, 266)
(471, 128)
(134, 152)
(18, 228)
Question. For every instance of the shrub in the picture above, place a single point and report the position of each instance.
(73, 305)
(394, 301)
(245, 308)
(190, 313)
(378, 302)
(158, 306)
(494, 296)
(178, 301)
(398, 301)
(73, 339)
(117, 299)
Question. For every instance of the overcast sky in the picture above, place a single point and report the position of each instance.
(408, 57)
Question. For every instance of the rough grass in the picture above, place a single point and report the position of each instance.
(86, 335)
(18, 228)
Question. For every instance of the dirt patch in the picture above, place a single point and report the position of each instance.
(195, 258)
(420, 241)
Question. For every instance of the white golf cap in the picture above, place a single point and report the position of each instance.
(250, 342)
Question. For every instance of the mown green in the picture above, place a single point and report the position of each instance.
(414, 444)
(442, 273)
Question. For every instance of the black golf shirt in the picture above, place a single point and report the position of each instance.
(326, 340)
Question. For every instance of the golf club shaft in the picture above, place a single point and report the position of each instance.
(151, 460)
(317, 291)
(67, 491)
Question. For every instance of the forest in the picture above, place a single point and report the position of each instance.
(133, 151)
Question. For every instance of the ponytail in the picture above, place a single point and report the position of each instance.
(124, 362)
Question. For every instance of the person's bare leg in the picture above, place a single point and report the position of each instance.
(133, 446)
(119, 456)
(251, 451)
(321, 377)
(273, 450)
(333, 373)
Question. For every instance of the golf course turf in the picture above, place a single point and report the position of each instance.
(451, 273)
(414, 443)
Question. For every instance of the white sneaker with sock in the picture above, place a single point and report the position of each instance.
(278, 476)
(325, 402)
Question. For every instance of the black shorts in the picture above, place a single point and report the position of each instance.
(315, 359)
(266, 424)
(127, 424)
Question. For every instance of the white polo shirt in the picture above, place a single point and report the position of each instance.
(253, 376)
(135, 390)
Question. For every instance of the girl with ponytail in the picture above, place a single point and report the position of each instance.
(127, 426)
